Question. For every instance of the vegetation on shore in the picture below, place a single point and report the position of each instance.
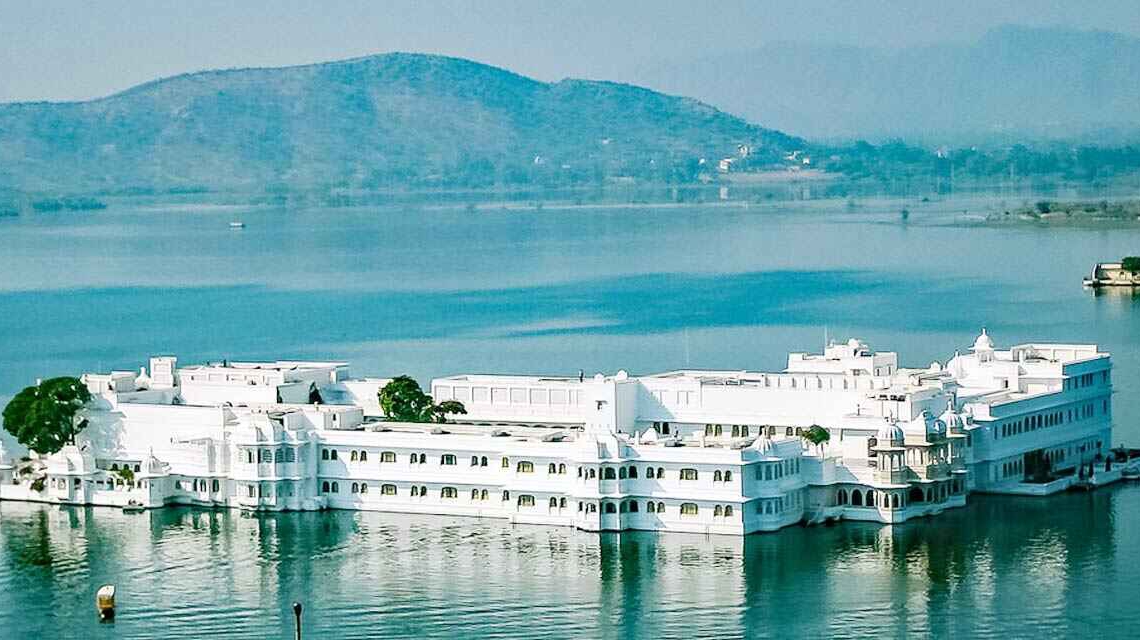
(1059, 212)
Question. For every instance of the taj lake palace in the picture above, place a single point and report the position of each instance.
(716, 452)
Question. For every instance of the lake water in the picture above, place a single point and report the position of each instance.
(433, 291)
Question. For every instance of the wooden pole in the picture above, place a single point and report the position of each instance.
(297, 616)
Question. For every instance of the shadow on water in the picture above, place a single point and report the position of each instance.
(1060, 561)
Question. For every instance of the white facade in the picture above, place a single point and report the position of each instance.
(698, 451)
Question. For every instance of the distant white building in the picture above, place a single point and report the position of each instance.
(698, 451)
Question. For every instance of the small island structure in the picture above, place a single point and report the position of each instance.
(846, 434)
(1125, 273)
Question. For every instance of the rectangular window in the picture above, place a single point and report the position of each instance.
(518, 396)
(498, 395)
(442, 393)
(558, 396)
(388, 489)
(480, 394)
(688, 474)
(538, 396)
(387, 456)
(463, 394)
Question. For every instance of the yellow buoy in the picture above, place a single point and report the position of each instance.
(105, 601)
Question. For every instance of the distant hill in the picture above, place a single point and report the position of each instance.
(1014, 82)
(375, 122)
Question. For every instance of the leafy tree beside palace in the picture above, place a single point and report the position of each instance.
(42, 417)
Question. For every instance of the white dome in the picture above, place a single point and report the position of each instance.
(890, 434)
(952, 420)
(984, 342)
(764, 445)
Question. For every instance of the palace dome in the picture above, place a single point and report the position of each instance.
(984, 342)
(890, 435)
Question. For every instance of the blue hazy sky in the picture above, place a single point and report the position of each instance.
(64, 50)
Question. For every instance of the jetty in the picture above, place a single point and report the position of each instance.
(1125, 273)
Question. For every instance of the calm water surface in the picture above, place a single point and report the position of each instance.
(437, 291)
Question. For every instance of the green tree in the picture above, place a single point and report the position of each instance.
(1131, 263)
(42, 417)
(403, 400)
(817, 435)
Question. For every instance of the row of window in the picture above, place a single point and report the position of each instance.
(199, 486)
(774, 506)
(286, 454)
(1051, 419)
(777, 470)
(508, 395)
(1085, 380)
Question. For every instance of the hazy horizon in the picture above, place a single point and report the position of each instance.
(56, 51)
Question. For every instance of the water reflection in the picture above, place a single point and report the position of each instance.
(999, 567)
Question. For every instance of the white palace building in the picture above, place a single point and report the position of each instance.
(696, 451)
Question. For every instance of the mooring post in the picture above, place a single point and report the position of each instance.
(297, 617)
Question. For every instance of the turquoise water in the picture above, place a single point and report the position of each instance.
(434, 291)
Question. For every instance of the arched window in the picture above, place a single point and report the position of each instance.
(332, 454)
(352, 456)
(621, 473)
(841, 496)
(474, 461)
(389, 489)
(717, 477)
(856, 498)
(506, 462)
(660, 473)
(526, 500)
(592, 508)
(915, 495)
(718, 430)
(718, 511)
(869, 498)
(649, 472)
(552, 468)
(562, 468)
(624, 507)
(689, 508)
(474, 494)
(525, 466)
(364, 456)
(728, 476)
(324, 454)
(610, 508)
(423, 491)
(447, 459)
(632, 472)
(506, 496)
(483, 494)
(633, 506)
(335, 487)
(744, 433)
(423, 458)
(562, 503)
(609, 474)
(216, 485)
(789, 431)
(650, 507)
(554, 503)
(799, 431)
(355, 488)
(728, 510)
(894, 501)
(688, 474)
(415, 491)
(448, 492)
(483, 461)
(660, 507)
(387, 456)
(591, 474)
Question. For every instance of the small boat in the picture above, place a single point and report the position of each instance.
(133, 506)
(237, 225)
(105, 601)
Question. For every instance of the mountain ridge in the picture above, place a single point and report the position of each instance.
(370, 121)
